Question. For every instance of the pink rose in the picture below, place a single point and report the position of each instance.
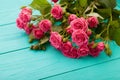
(73, 53)
(79, 23)
(100, 46)
(83, 51)
(71, 18)
(80, 37)
(66, 47)
(92, 21)
(25, 17)
(45, 25)
(20, 23)
(55, 40)
(54, 1)
(26, 10)
(38, 33)
(93, 51)
(69, 30)
(57, 12)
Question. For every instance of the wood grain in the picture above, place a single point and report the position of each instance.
(18, 62)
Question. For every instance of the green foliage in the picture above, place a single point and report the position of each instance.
(108, 3)
(115, 31)
(105, 12)
(83, 3)
(42, 5)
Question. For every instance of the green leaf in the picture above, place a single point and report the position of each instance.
(42, 5)
(63, 1)
(83, 3)
(116, 11)
(116, 36)
(108, 3)
(114, 24)
(57, 28)
(105, 12)
(95, 14)
(44, 40)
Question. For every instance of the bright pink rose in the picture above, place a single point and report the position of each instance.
(93, 51)
(38, 33)
(45, 25)
(54, 1)
(55, 40)
(57, 12)
(25, 17)
(73, 53)
(71, 18)
(80, 37)
(92, 21)
(69, 30)
(79, 23)
(66, 47)
(101, 46)
(83, 51)
(20, 23)
(26, 10)
(89, 32)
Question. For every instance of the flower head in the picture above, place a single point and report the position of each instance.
(80, 37)
(55, 40)
(45, 25)
(57, 12)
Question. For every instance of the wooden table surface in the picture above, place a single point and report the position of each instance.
(18, 62)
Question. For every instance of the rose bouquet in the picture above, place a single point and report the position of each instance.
(77, 28)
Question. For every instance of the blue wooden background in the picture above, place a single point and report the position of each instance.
(18, 62)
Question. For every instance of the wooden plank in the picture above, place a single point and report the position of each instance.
(32, 65)
(9, 10)
(109, 70)
(11, 38)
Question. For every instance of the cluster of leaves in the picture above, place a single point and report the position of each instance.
(109, 21)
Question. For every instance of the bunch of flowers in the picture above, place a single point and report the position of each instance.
(77, 28)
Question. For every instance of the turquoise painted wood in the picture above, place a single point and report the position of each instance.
(18, 62)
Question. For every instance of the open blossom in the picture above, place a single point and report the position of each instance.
(79, 23)
(45, 25)
(55, 40)
(66, 47)
(25, 17)
(26, 10)
(25, 14)
(57, 11)
(92, 21)
(54, 1)
(20, 23)
(93, 51)
(100, 46)
(68, 50)
(80, 37)
(71, 18)
(73, 53)
(83, 51)
(38, 33)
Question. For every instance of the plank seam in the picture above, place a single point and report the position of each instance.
(80, 68)
(7, 24)
(13, 50)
